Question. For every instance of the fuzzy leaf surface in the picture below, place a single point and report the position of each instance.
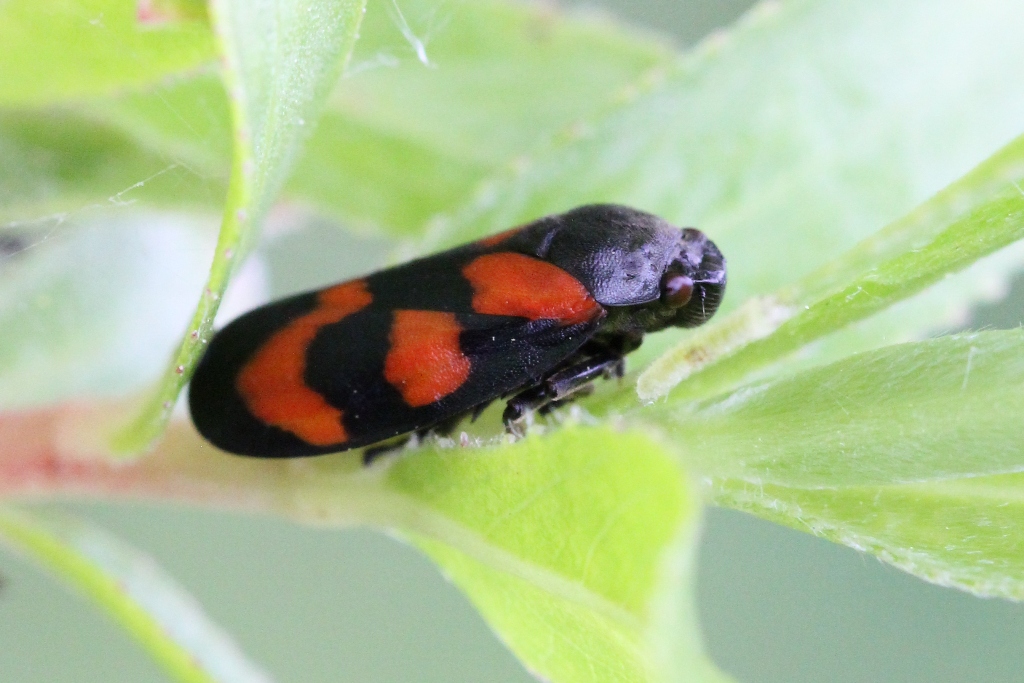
(963, 532)
(937, 409)
(577, 548)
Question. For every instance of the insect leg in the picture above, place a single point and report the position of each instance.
(562, 386)
(586, 390)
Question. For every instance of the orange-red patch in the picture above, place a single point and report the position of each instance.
(273, 385)
(513, 284)
(424, 361)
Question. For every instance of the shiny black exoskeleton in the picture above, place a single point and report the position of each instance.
(535, 313)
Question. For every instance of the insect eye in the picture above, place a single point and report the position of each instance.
(676, 290)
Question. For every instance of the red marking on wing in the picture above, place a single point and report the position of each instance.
(507, 283)
(272, 384)
(498, 238)
(425, 362)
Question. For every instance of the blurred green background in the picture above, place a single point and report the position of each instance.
(326, 605)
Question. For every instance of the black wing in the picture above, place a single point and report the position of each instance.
(401, 350)
(384, 388)
(359, 374)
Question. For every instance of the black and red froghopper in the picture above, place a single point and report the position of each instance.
(536, 313)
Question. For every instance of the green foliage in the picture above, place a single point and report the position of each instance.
(801, 140)
(60, 51)
(280, 62)
(975, 216)
(66, 332)
(903, 413)
(960, 532)
(578, 540)
(160, 615)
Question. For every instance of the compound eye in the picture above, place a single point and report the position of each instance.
(676, 290)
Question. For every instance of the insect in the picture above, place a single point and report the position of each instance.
(536, 313)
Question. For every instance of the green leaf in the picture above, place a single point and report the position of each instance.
(187, 120)
(154, 610)
(66, 332)
(578, 549)
(165, 11)
(788, 140)
(488, 61)
(399, 140)
(280, 61)
(958, 532)
(168, 148)
(55, 51)
(792, 137)
(912, 452)
(58, 165)
(500, 78)
(578, 546)
(948, 407)
(975, 216)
